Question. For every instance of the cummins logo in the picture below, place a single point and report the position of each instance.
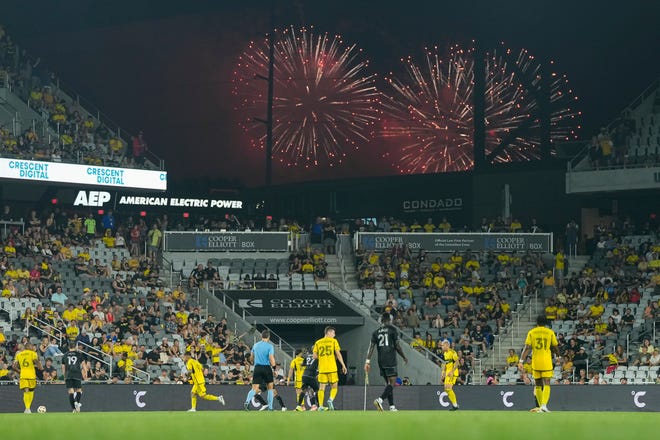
(251, 303)
(505, 398)
(636, 398)
(138, 398)
(442, 398)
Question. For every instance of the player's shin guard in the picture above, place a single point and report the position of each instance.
(28, 396)
(72, 401)
(78, 396)
(209, 397)
(388, 393)
(538, 393)
(193, 401)
(452, 397)
(333, 393)
(270, 399)
(321, 396)
(546, 395)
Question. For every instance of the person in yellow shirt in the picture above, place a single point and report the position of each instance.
(429, 226)
(449, 372)
(512, 359)
(515, 226)
(326, 350)
(25, 362)
(415, 226)
(296, 370)
(542, 343)
(444, 226)
(195, 372)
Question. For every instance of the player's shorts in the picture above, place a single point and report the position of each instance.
(541, 374)
(298, 384)
(328, 377)
(310, 382)
(199, 389)
(262, 374)
(27, 383)
(388, 372)
(450, 380)
(73, 383)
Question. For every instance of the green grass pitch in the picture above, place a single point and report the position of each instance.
(346, 425)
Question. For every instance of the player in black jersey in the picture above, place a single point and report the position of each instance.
(74, 363)
(310, 383)
(386, 340)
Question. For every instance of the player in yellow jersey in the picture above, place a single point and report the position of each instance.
(326, 350)
(25, 362)
(449, 372)
(296, 369)
(542, 342)
(196, 374)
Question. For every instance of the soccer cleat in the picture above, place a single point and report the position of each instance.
(246, 406)
(300, 408)
(453, 408)
(322, 408)
(74, 411)
(263, 408)
(393, 408)
(331, 405)
(284, 408)
(221, 400)
(378, 403)
(544, 409)
(78, 405)
(314, 408)
(535, 410)
(27, 411)
(192, 410)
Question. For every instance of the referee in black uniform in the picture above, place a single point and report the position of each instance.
(386, 339)
(73, 364)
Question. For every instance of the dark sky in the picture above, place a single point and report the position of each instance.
(166, 67)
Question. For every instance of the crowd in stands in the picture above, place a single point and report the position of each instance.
(69, 277)
(391, 224)
(75, 136)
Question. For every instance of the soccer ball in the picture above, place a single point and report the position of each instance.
(41, 409)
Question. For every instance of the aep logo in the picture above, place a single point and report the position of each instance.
(138, 398)
(251, 303)
(95, 198)
(636, 398)
(442, 398)
(505, 398)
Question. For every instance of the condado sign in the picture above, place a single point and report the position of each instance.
(290, 307)
(450, 242)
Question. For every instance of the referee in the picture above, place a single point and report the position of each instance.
(262, 357)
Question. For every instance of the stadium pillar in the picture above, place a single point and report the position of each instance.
(545, 113)
(479, 132)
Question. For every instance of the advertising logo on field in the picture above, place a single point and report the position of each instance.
(506, 395)
(138, 398)
(637, 395)
(250, 303)
(442, 399)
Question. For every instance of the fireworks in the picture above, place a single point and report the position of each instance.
(432, 110)
(323, 102)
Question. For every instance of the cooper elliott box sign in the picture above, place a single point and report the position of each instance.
(450, 242)
(226, 241)
(290, 307)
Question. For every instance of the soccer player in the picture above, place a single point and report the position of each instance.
(309, 384)
(326, 350)
(386, 338)
(262, 357)
(450, 372)
(25, 362)
(542, 342)
(196, 373)
(297, 366)
(74, 363)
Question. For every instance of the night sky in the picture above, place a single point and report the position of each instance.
(166, 67)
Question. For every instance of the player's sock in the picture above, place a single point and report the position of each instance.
(546, 395)
(78, 396)
(386, 392)
(250, 395)
(280, 401)
(321, 396)
(452, 397)
(538, 393)
(193, 401)
(209, 397)
(259, 398)
(301, 399)
(333, 393)
(269, 395)
(28, 396)
(72, 401)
